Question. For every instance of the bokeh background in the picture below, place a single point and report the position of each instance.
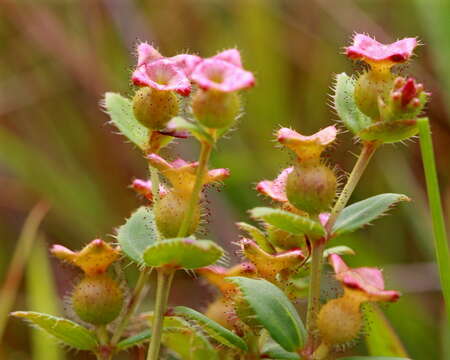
(58, 57)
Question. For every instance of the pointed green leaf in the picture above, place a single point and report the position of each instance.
(257, 235)
(68, 332)
(292, 223)
(373, 358)
(120, 111)
(346, 108)
(213, 329)
(273, 311)
(381, 338)
(185, 253)
(194, 128)
(135, 340)
(363, 212)
(276, 352)
(137, 234)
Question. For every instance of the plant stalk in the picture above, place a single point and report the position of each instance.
(134, 302)
(205, 153)
(434, 198)
(164, 282)
(319, 245)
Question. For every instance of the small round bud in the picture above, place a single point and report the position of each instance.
(154, 108)
(215, 109)
(97, 299)
(169, 214)
(311, 188)
(339, 321)
(371, 86)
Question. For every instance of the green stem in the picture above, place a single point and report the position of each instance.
(434, 198)
(154, 178)
(134, 302)
(319, 245)
(205, 153)
(164, 282)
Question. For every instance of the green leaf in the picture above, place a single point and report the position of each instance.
(135, 340)
(194, 128)
(213, 329)
(66, 331)
(275, 352)
(339, 250)
(363, 212)
(292, 223)
(390, 131)
(381, 338)
(373, 358)
(274, 311)
(185, 253)
(120, 111)
(188, 342)
(257, 235)
(137, 234)
(346, 108)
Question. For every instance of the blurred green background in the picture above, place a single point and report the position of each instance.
(57, 58)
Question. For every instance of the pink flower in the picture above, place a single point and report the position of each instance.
(275, 189)
(181, 173)
(223, 73)
(368, 49)
(162, 75)
(167, 74)
(307, 147)
(368, 282)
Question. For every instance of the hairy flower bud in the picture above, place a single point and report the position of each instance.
(154, 108)
(97, 299)
(215, 109)
(311, 188)
(169, 214)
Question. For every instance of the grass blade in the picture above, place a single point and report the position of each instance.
(15, 271)
(434, 198)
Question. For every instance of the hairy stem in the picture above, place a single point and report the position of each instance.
(200, 175)
(133, 304)
(154, 178)
(164, 282)
(319, 245)
(434, 198)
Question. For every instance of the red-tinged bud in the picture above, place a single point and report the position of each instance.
(97, 299)
(169, 214)
(311, 188)
(215, 109)
(154, 108)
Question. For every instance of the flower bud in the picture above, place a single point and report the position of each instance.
(216, 109)
(97, 299)
(169, 214)
(339, 321)
(311, 188)
(154, 108)
(371, 88)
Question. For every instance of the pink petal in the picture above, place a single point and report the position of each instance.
(275, 189)
(147, 54)
(221, 76)
(217, 175)
(231, 55)
(162, 75)
(144, 187)
(186, 62)
(367, 48)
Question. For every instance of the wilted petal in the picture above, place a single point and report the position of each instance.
(367, 281)
(144, 187)
(275, 189)
(186, 62)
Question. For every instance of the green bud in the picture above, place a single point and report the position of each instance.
(154, 108)
(215, 109)
(169, 214)
(370, 87)
(311, 188)
(97, 299)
